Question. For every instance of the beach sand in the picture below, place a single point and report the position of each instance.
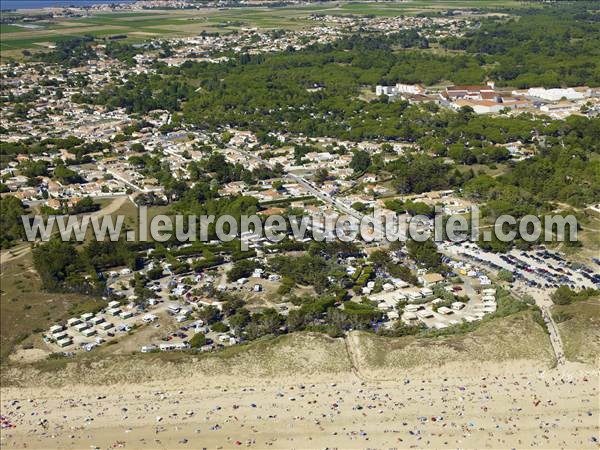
(508, 405)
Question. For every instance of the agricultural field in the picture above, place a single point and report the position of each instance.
(6, 28)
(173, 23)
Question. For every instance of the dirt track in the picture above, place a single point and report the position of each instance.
(22, 249)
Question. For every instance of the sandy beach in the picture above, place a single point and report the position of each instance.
(503, 406)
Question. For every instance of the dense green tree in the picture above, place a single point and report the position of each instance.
(209, 314)
(242, 269)
(424, 253)
(198, 340)
(11, 225)
(361, 160)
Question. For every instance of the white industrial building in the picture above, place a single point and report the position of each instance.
(400, 88)
(556, 94)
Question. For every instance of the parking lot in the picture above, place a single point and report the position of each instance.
(539, 268)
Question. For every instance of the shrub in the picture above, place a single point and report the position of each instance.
(505, 275)
(220, 327)
(560, 317)
(198, 340)
(565, 296)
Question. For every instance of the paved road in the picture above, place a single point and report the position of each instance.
(314, 190)
(309, 186)
(122, 179)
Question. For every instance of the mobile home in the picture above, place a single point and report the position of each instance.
(126, 315)
(114, 311)
(65, 342)
(457, 306)
(88, 332)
